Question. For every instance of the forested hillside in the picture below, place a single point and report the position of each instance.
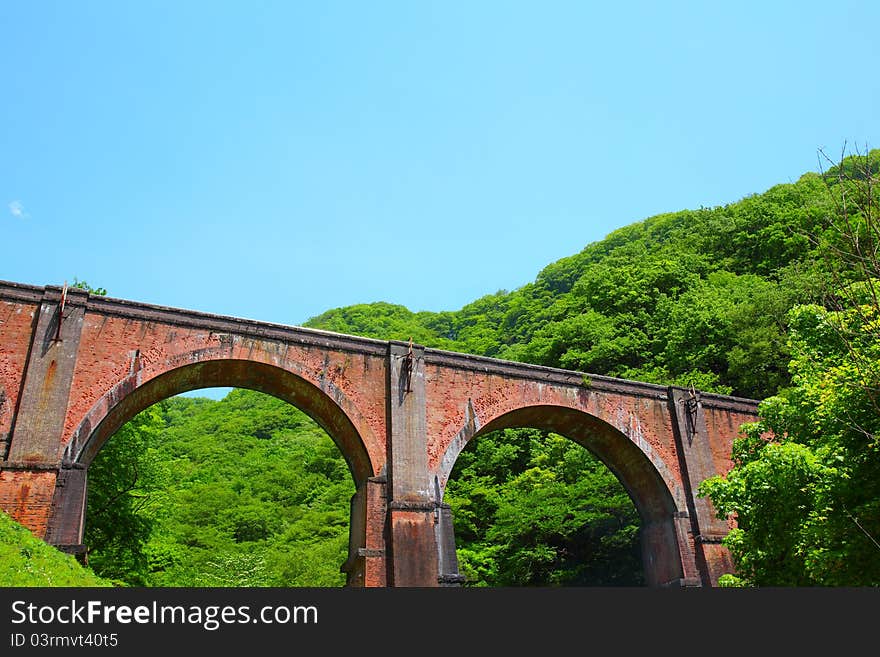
(693, 297)
(711, 297)
(246, 491)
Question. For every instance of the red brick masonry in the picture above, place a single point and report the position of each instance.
(71, 376)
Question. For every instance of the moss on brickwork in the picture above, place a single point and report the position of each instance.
(27, 561)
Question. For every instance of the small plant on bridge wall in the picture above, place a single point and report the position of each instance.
(83, 285)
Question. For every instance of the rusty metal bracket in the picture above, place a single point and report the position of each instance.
(408, 364)
(61, 312)
(691, 405)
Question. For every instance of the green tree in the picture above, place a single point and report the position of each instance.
(536, 509)
(805, 489)
(121, 501)
(245, 491)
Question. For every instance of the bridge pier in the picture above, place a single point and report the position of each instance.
(67, 514)
(447, 557)
(35, 487)
(367, 563)
(420, 536)
(667, 559)
(48, 373)
(710, 558)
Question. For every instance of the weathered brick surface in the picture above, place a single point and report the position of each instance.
(16, 321)
(456, 397)
(718, 561)
(724, 426)
(116, 349)
(413, 532)
(45, 390)
(400, 433)
(376, 555)
(27, 497)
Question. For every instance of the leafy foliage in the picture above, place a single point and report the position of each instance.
(693, 297)
(83, 285)
(806, 484)
(535, 509)
(805, 489)
(246, 491)
(121, 498)
(731, 299)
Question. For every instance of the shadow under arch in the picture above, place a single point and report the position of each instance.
(329, 408)
(654, 502)
(128, 399)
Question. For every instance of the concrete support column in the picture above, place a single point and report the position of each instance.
(35, 444)
(684, 537)
(366, 564)
(412, 540)
(68, 511)
(446, 556)
(375, 557)
(667, 559)
(695, 457)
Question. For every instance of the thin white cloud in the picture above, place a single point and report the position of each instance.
(16, 208)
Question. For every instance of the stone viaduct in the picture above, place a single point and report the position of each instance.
(75, 367)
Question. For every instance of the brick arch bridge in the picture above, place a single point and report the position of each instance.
(74, 367)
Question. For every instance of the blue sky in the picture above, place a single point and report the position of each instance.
(272, 160)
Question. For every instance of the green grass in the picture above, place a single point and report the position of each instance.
(27, 561)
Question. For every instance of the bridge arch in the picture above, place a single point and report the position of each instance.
(327, 406)
(644, 475)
